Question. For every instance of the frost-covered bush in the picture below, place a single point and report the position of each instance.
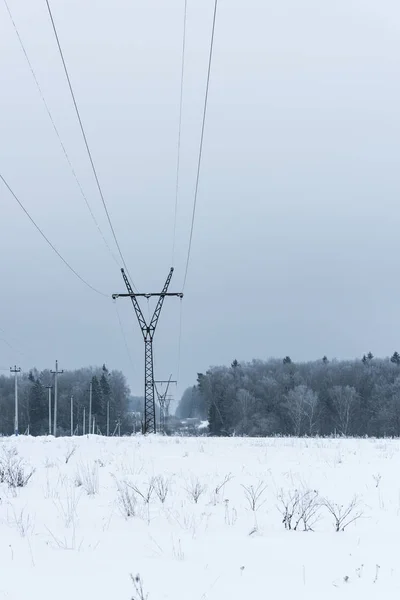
(13, 471)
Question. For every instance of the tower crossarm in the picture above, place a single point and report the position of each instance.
(157, 310)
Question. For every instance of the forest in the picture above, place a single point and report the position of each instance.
(259, 398)
(281, 397)
(110, 392)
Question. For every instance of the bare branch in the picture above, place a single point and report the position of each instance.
(139, 591)
(344, 515)
(254, 494)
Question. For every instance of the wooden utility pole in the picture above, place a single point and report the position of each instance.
(72, 416)
(90, 406)
(108, 418)
(56, 373)
(48, 387)
(15, 370)
(84, 421)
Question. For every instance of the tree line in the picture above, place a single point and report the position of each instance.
(281, 397)
(110, 393)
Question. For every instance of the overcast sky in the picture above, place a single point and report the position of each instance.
(296, 248)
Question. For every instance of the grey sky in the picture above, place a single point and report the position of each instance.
(296, 245)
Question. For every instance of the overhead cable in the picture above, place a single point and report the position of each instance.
(57, 132)
(7, 343)
(179, 131)
(85, 140)
(48, 241)
(178, 370)
(201, 141)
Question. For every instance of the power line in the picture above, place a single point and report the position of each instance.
(16, 344)
(201, 141)
(178, 370)
(56, 130)
(179, 130)
(47, 239)
(2, 339)
(85, 138)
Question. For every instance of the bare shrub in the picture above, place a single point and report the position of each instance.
(310, 507)
(377, 567)
(146, 494)
(9, 451)
(65, 543)
(69, 453)
(22, 522)
(215, 494)
(139, 591)
(13, 471)
(67, 505)
(177, 551)
(344, 515)
(299, 507)
(223, 483)
(289, 505)
(126, 499)
(254, 494)
(195, 489)
(161, 486)
(87, 476)
(230, 515)
(377, 478)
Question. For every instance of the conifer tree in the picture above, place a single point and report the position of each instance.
(97, 401)
(395, 359)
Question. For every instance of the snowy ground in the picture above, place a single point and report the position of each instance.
(66, 534)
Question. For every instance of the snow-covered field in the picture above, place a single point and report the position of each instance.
(67, 533)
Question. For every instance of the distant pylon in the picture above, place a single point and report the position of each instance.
(162, 396)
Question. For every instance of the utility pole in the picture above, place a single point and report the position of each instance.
(90, 407)
(148, 331)
(108, 418)
(161, 396)
(16, 370)
(56, 373)
(48, 387)
(84, 421)
(72, 416)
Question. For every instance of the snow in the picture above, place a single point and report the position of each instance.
(59, 541)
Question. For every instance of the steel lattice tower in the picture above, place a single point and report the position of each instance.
(148, 331)
(161, 396)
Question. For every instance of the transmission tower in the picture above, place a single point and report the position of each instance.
(161, 397)
(148, 330)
